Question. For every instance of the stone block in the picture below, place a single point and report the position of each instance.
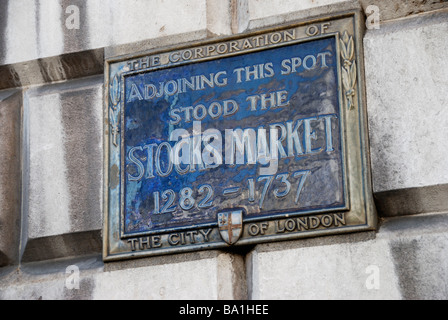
(39, 29)
(264, 13)
(406, 82)
(59, 68)
(221, 18)
(419, 248)
(208, 275)
(259, 9)
(322, 269)
(412, 201)
(65, 39)
(64, 168)
(405, 260)
(10, 175)
(395, 9)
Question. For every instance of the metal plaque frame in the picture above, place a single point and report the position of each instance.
(233, 226)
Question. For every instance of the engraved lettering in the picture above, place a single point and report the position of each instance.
(132, 242)
(205, 234)
(253, 230)
(309, 223)
(174, 239)
(312, 31)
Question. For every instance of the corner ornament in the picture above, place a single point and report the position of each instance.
(349, 69)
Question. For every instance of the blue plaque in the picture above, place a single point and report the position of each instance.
(241, 141)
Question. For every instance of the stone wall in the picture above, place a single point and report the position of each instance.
(51, 156)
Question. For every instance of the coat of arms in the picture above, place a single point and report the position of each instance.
(230, 225)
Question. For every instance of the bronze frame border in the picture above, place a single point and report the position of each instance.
(356, 159)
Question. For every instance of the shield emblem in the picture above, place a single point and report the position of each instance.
(230, 225)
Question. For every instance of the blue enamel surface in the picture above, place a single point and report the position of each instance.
(311, 93)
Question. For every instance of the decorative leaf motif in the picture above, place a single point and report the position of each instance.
(114, 126)
(348, 69)
(351, 49)
(353, 75)
(345, 37)
(345, 78)
(115, 91)
(115, 97)
(343, 50)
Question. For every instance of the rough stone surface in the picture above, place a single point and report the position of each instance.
(183, 277)
(406, 100)
(418, 245)
(262, 13)
(412, 201)
(265, 12)
(322, 271)
(64, 67)
(405, 260)
(222, 18)
(10, 175)
(219, 17)
(259, 9)
(64, 159)
(65, 39)
(64, 245)
(48, 28)
(394, 9)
